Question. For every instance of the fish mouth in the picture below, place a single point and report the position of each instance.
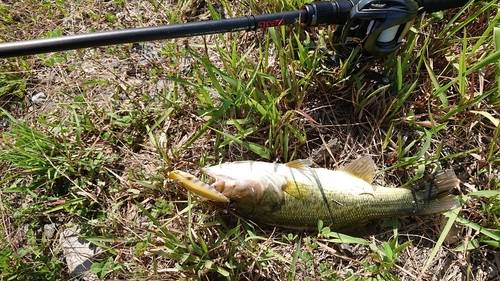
(192, 183)
(220, 188)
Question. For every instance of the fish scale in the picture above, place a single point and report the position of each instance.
(294, 195)
(344, 208)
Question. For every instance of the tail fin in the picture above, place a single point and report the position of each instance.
(440, 205)
(436, 192)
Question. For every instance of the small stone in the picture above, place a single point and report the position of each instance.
(4, 122)
(346, 249)
(78, 254)
(49, 230)
(162, 86)
(39, 98)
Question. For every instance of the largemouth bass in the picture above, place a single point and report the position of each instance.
(294, 195)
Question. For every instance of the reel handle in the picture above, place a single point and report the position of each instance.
(431, 6)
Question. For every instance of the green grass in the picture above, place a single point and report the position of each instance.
(117, 119)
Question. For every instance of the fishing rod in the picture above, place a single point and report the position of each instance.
(376, 26)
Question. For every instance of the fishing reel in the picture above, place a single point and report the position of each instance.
(375, 27)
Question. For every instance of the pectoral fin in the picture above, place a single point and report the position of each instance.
(295, 190)
(299, 163)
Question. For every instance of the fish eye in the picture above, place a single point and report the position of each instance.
(231, 204)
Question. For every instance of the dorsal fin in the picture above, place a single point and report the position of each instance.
(363, 168)
(299, 163)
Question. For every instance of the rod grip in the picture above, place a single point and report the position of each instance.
(431, 6)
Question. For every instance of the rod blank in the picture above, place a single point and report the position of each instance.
(133, 35)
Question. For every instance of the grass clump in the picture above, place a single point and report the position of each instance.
(96, 153)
